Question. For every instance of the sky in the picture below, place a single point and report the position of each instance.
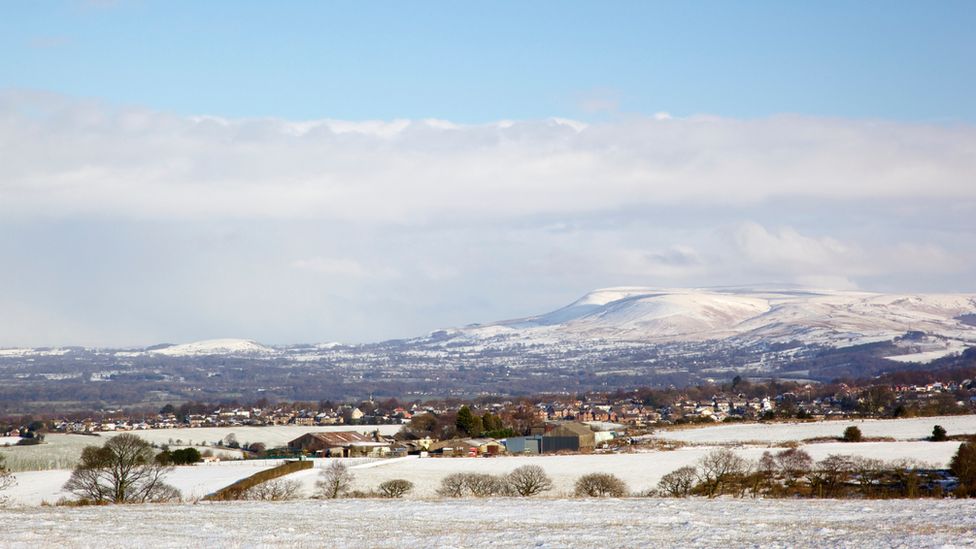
(359, 171)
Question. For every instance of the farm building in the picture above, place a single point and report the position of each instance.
(468, 447)
(340, 444)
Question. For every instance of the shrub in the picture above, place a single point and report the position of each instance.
(963, 465)
(278, 489)
(395, 488)
(334, 481)
(452, 486)
(482, 485)
(939, 434)
(852, 434)
(678, 483)
(598, 485)
(529, 480)
(720, 470)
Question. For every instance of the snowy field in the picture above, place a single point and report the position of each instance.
(641, 471)
(61, 451)
(899, 429)
(501, 523)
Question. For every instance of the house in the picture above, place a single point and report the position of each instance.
(339, 444)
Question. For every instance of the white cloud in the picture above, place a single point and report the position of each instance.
(123, 226)
(68, 157)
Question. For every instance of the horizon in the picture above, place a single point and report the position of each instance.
(340, 172)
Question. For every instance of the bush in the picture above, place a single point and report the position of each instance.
(719, 471)
(334, 481)
(599, 485)
(678, 483)
(395, 488)
(480, 485)
(124, 470)
(529, 480)
(963, 465)
(939, 434)
(273, 490)
(852, 434)
(452, 486)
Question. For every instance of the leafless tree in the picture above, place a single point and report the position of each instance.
(452, 485)
(335, 480)
(678, 483)
(529, 480)
(7, 479)
(598, 485)
(123, 470)
(395, 488)
(719, 470)
(278, 489)
(482, 485)
(828, 475)
(793, 464)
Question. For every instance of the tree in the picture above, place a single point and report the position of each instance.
(468, 423)
(483, 485)
(598, 485)
(829, 475)
(678, 483)
(529, 480)
(395, 488)
(719, 469)
(963, 465)
(123, 470)
(792, 464)
(335, 480)
(230, 441)
(186, 456)
(939, 434)
(7, 479)
(852, 434)
(452, 486)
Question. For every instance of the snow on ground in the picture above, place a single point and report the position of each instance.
(505, 522)
(641, 471)
(216, 347)
(195, 481)
(9, 441)
(899, 429)
(62, 451)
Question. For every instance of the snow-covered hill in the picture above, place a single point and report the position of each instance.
(747, 315)
(228, 347)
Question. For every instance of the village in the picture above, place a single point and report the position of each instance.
(545, 424)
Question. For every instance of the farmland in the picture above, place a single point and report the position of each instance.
(501, 523)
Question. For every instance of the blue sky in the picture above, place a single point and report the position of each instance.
(324, 171)
(479, 62)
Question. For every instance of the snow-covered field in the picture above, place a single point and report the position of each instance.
(501, 523)
(899, 429)
(641, 471)
(61, 451)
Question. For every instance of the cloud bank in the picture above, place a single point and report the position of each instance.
(360, 230)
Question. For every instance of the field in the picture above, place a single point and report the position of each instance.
(501, 523)
(61, 451)
(899, 429)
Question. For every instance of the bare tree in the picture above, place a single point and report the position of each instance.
(7, 479)
(793, 464)
(274, 490)
(529, 480)
(452, 486)
(720, 469)
(598, 485)
(123, 470)
(483, 485)
(335, 480)
(678, 483)
(395, 488)
(829, 475)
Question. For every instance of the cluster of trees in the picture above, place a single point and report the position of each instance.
(124, 470)
(793, 473)
(183, 456)
(526, 481)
